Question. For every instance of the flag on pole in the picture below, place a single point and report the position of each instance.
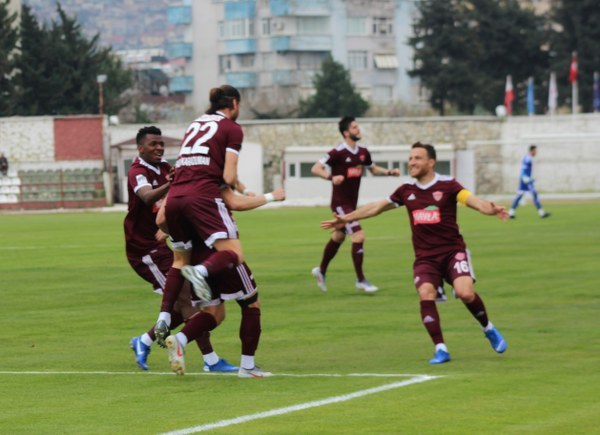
(509, 95)
(552, 94)
(596, 92)
(573, 68)
(530, 97)
(573, 80)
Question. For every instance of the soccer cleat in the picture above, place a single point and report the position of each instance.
(221, 366)
(256, 372)
(545, 215)
(141, 352)
(201, 287)
(161, 330)
(440, 357)
(366, 286)
(316, 272)
(441, 295)
(512, 216)
(176, 353)
(496, 340)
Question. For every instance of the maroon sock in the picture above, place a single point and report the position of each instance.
(250, 330)
(198, 325)
(221, 261)
(331, 249)
(176, 320)
(172, 288)
(204, 343)
(357, 259)
(431, 321)
(477, 309)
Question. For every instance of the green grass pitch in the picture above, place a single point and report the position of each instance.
(70, 303)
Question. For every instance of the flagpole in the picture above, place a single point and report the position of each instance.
(573, 73)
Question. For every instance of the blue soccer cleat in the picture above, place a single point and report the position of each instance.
(141, 352)
(440, 357)
(496, 340)
(221, 366)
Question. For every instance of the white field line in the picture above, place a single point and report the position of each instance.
(292, 375)
(301, 406)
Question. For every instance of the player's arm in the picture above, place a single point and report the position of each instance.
(243, 203)
(367, 211)
(380, 171)
(320, 170)
(161, 218)
(481, 205)
(230, 169)
(241, 188)
(149, 195)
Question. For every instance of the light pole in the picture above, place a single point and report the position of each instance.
(100, 79)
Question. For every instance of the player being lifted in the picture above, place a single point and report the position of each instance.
(440, 251)
(346, 162)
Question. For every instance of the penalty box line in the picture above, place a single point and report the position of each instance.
(302, 406)
(150, 373)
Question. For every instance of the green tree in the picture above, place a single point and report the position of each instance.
(335, 94)
(575, 24)
(8, 44)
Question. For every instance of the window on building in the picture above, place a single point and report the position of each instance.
(357, 60)
(305, 170)
(236, 29)
(383, 26)
(383, 93)
(224, 64)
(265, 26)
(312, 25)
(357, 26)
(246, 60)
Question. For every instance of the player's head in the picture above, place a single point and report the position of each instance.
(349, 128)
(225, 97)
(533, 150)
(150, 144)
(421, 161)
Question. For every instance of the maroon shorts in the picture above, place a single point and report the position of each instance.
(351, 227)
(153, 266)
(204, 218)
(237, 283)
(444, 267)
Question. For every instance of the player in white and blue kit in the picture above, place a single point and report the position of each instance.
(526, 184)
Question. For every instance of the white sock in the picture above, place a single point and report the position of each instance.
(441, 346)
(182, 339)
(511, 212)
(163, 315)
(211, 358)
(146, 339)
(200, 268)
(247, 362)
(488, 327)
(541, 211)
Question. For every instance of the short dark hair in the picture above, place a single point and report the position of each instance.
(344, 123)
(429, 148)
(222, 98)
(144, 131)
(532, 147)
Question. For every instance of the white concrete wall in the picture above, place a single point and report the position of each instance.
(27, 139)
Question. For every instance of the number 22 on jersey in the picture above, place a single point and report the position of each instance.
(200, 133)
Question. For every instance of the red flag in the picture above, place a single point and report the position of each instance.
(573, 69)
(509, 95)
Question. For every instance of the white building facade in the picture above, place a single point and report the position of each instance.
(272, 49)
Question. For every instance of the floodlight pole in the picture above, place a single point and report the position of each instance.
(100, 79)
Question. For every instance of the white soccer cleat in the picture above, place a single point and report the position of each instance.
(176, 352)
(201, 287)
(366, 286)
(253, 373)
(316, 272)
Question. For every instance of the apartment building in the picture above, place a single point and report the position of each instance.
(272, 49)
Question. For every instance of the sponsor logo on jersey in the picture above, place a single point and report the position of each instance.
(412, 197)
(427, 216)
(362, 158)
(460, 256)
(348, 159)
(354, 172)
(140, 179)
(437, 195)
(154, 183)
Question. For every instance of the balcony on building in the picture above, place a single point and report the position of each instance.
(181, 84)
(313, 8)
(179, 14)
(177, 50)
(301, 43)
(240, 9)
(241, 80)
(240, 46)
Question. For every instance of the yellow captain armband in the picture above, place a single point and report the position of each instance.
(462, 196)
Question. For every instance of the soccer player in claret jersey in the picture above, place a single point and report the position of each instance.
(346, 162)
(440, 251)
(207, 158)
(526, 184)
(148, 181)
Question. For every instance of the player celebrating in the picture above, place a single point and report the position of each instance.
(346, 162)
(148, 181)
(440, 251)
(526, 184)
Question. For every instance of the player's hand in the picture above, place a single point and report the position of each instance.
(499, 211)
(278, 194)
(334, 224)
(171, 175)
(394, 172)
(337, 180)
(161, 236)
